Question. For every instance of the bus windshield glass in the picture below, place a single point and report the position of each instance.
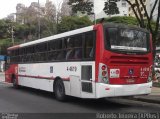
(131, 40)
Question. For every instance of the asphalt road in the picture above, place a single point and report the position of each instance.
(26, 100)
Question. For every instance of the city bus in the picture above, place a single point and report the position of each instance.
(98, 61)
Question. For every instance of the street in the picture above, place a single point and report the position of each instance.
(26, 100)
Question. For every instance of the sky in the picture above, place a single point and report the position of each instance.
(9, 6)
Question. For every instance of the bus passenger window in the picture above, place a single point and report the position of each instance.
(78, 54)
(61, 55)
(70, 48)
(89, 47)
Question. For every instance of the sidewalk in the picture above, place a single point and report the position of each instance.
(154, 97)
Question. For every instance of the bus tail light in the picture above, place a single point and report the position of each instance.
(103, 67)
(103, 74)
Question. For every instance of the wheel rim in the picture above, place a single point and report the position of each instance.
(60, 89)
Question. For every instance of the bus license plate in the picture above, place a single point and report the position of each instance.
(130, 80)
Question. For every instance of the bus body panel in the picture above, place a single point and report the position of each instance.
(42, 75)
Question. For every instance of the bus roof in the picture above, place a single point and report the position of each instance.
(61, 35)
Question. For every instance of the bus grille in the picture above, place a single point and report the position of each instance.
(128, 60)
(87, 87)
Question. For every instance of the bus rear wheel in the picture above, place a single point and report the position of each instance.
(59, 90)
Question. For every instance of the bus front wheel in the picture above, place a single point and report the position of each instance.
(14, 81)
(59, 90)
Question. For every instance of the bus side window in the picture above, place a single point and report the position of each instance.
(51, 51)
(60, 50)
(89, 45)
(70, 48)
(78, 53)
(78, 47)
(74, 47)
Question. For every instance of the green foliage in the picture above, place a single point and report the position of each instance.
(70, 23)
(4, 29)
(120, 19)
(81, 6)
(110, 7)
(123, 20)
(21, 31)
(4, 44)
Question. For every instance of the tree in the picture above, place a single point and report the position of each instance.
(48, 21)
(50, 11)
(123, 20)
(4, 44)
(4, 29)
(140, 18)
(73, 22)
(83, 6)
(110, 7)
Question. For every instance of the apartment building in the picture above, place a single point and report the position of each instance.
(99, 5)
(150, 6)
(146, 3)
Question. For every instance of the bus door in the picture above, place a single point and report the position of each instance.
(87, 80)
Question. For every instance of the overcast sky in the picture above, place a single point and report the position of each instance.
(9, 6)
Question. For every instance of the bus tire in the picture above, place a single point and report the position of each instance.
(14, 81)
(59, 90)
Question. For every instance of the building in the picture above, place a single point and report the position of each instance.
(131, 13)
(12, 17)
(28, 14)
(50, 10)
(20, 10)
(65, 8)
(155, 13)
(99, 5)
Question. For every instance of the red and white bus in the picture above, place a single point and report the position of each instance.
(103, 60)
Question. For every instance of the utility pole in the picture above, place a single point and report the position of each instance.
(12, 32)
(39, 22)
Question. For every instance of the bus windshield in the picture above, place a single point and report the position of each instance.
(130, 40)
